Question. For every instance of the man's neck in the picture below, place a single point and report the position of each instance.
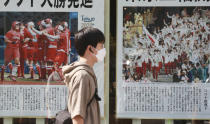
(87, 61)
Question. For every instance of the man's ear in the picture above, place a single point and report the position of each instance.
(90, 48)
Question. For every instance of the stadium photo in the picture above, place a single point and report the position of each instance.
(166, 44)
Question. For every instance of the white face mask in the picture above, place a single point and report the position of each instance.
(101, 54)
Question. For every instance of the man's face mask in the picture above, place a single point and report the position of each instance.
(101, 54)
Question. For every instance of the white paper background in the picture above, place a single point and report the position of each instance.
(38, 100)
(130, 99)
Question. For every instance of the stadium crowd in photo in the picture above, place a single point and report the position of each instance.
(163, 44)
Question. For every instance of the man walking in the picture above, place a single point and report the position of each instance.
(80, 77)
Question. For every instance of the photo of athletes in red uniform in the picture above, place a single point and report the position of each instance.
(39, 46)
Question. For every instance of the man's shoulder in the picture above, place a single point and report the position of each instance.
(82, 77)
(82, 73)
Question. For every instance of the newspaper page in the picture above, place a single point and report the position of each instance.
(163, 59)
(23, 87)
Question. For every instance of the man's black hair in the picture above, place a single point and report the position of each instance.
(88, 36)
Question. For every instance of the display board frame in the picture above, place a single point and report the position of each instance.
(121, 6)
(87, 17)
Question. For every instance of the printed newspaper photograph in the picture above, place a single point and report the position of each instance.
(35, 44)
(166, 44)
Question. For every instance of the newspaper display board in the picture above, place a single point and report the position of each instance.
(163, 59)
(77, 15)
